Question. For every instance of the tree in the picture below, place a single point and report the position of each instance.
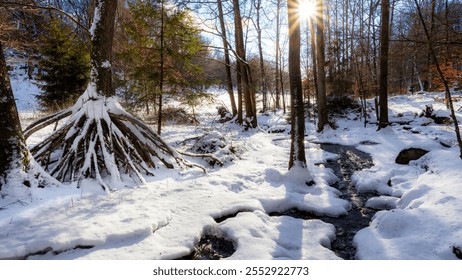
(100, 140)
(323, 119)
(229, 81)
(277, 73)
(17, 168)
(14, 156)
(297, 147)
(264, 88)
(161, 53)
(442, 77)
(243, 69)
(383, 74)
(65, 65)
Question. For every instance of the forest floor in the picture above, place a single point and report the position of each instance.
(250, 200)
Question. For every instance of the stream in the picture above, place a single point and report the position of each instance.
(349, 161)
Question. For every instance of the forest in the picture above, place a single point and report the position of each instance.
(230, 129)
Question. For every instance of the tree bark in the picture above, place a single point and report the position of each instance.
(101, 52)
(13, 150)
(161, 66)
(383, 75)
(320, 56)
(229, 81)
(277, 90)
(313, 56)
(297, 147)
(247, 91)
(262, 64)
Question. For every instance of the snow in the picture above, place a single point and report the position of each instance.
(25, 91)
(420, 204)
(96, 17)
(106, 64)
(279, 237)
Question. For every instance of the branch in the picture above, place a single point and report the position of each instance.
(202, 156)
(47, 8)
(43, 122)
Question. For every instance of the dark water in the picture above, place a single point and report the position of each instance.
(349, 161)
(211, 247)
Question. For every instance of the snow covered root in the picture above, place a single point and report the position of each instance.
(101, 140)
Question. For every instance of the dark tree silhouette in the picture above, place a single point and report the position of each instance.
(13, 150)
(383, 75)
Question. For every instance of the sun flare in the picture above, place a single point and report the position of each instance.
(307, 8)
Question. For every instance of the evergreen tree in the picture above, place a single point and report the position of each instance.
(65, 65)
(159, 49)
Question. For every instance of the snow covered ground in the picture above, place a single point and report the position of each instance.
(165, 218)
(24, 88)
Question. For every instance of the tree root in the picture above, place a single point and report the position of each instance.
(101, 141)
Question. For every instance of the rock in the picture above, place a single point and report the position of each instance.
(406, 155)
(224, 114)
(439, 117)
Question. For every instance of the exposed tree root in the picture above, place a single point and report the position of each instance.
(101, 141)
(44, 122)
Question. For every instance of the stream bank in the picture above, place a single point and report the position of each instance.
(349, 161)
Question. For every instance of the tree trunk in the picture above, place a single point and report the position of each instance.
(101, 51)
(251, 116)
(229, 81)
(13, 151)
(313, 56)
(161, 66)
(320, 55)
(383, 76)
(263, 86)
(297, 147)
(276, 87)
(429, 74)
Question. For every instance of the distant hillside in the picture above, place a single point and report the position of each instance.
(24, 89)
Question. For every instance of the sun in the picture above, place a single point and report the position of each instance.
(307, 8)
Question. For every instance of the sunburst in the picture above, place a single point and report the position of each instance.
(307, 8)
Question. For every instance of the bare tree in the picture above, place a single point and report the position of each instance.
(383, 74)
(297, 147)
(277, 76)
(264, 88)
(323, 119)
(161, 67)
(229, 81)
(440, 73)
(244, 69)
